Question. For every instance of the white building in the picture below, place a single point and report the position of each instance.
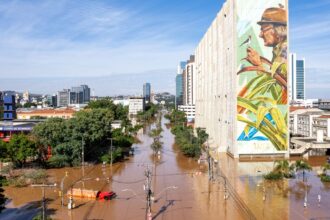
(136, 104)
(189, 82)
(321, 124)
(26, 96)
(189, 110)
(293, 118)
(124, 102)
(305, 123)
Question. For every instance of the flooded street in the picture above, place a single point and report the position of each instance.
(192, 198)
(181, 189)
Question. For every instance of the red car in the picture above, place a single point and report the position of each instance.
(105, 195)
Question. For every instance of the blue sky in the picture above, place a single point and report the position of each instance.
(86, 38)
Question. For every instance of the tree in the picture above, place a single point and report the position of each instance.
(202, 136)
(2, 197)
(20, 148)
(284, 168)
(324, 176)
(29, 105)
(3, 150)
(304, 166)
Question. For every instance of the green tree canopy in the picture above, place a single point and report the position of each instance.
(20, 148)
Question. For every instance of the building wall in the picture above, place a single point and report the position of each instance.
(300, 80)
(47, 113)
(297, 76)
(215, 81)
(135, 105)
(63, 98)
(220, 84)
(147, 91)
(179, 89)
(189, 110)
(190, 82)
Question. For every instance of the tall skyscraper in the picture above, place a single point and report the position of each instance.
(146, 91)
(179, 84)
(87, 93)
(189, 82)
(77, 95)
(63, 98)
(297, 73)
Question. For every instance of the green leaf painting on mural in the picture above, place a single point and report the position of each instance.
(274, 130)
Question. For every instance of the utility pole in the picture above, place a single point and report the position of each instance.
(111, 157)
(62, 188)
(147, 188)
(44, 208)
(82, 151)
(83, 160)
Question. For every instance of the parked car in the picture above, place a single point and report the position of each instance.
(105, 195)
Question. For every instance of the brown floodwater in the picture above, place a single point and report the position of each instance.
(194, 197)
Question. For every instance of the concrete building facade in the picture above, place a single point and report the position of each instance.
(189, 82)
(63, 98)
(238, 103)
(136, 104)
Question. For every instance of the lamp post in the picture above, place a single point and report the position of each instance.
(44, 208)
(62, 186)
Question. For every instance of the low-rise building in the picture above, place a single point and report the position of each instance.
(324, 104)
(295, 111)
(65, 113)
(321, 124)
(305, 123)
(136, 104)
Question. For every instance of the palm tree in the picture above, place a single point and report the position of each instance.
(326, 167)
(284, 168)
(281, 166)
(302, 165)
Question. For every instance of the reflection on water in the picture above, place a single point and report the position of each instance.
(195, 197)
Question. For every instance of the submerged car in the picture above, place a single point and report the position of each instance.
(106, 195)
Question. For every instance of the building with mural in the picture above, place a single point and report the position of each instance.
(241, 76)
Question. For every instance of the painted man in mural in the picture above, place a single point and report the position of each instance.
(262, 97)
(274, 33)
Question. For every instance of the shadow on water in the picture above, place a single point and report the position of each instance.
(27, 211)
(164, 208)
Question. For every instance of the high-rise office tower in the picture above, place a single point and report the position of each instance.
(77, 95)
(179, 84)
(146, 91)
(63, 98)
(87, 93)
(189, 82)
(297, 73)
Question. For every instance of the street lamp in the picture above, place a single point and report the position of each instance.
(62, 186)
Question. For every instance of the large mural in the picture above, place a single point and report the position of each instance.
(262, 99)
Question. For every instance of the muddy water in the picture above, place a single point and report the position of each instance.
(193, 198)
